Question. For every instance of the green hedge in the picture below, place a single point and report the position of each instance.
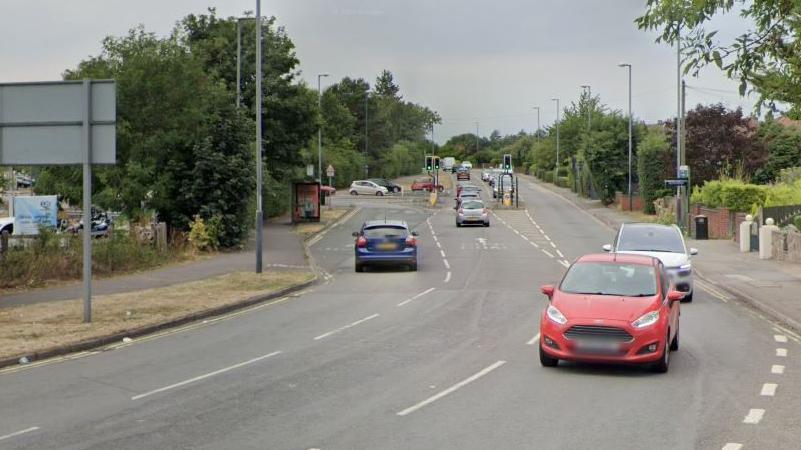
(563, 182)
(547, 176)
(730, 194)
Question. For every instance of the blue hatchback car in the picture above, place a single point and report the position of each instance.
(385, 242)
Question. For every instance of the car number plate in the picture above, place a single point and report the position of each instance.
(387, 246)
(597, 346)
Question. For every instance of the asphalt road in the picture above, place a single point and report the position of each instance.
(442, 358)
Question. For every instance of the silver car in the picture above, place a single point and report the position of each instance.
(472, 212)
(367, 187)
(664, 242)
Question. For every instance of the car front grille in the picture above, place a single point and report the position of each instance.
(613, 334)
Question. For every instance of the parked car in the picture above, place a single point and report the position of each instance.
(367, 187)
(426, 184)
(611, 309)
(7, 224)
(665, 242)
(467, 164)
(328, 190)
(391, 187)
(385, 242)
(485, 176)
(472, 211)
(463, 174)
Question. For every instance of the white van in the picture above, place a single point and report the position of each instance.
(448, 164)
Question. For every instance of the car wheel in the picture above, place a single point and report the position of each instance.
(486, 224)
(674, 344)
(396, 189)
(458, 225)
(662, 365)
(413, 267)
(359, 268)
(688, 298)
(379, 194)
(546, 360)
(354, 192)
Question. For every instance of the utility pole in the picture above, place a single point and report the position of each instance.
(685, 198)
(556, 167)
(366, 134)
(477, 149)
(538, 123)
(238, 61)
(320, 130)
(589, 105)
(259, 181)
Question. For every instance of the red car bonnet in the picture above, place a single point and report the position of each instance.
(610, 307)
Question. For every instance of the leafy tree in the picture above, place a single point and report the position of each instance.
(606, 153)
(784, 151)
(764, 58)
(654, 166)
(385, 86)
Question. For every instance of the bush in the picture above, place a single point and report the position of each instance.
(203, 237)
(547, 176)
(797, 222)
(563, 182)
(653, 167)
(731, 194)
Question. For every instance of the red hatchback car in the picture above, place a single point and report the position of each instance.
(611, 308)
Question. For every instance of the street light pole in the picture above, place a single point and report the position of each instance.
(538, 123)
(556, 167)
(589, 105)
(630, 120)
(477, 149)
(259, 181)
(320, 129)
(366, 134)
(238, 61)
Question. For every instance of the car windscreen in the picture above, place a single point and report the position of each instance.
(385, 232)
(466, 195)
(650, 239)
(472, 205)
(596, 278)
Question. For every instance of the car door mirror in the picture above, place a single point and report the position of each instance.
(693, 251)
(355, 234)
(548, 290)
(607, 247)
(675, 296)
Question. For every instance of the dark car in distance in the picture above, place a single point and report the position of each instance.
(391, 187)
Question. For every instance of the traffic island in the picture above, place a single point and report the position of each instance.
(50, 329)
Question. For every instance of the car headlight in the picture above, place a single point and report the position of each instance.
(555, 315)
(646, 320)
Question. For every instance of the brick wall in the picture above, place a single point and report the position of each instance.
(719, 220)
(622, 201)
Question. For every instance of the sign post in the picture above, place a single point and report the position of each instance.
(62, 123)
(330, 172)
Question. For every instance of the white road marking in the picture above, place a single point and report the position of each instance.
(780, 338)
(416, 296)
(452, 389)
(516, 232)
(533, 340)
(560, 253)
(350, 325)
(546, 237)
(777, 369)
(204, 376)
(442, 252)
(438, 244)
(445, 261)
(525, 237)
(547, 253)
(18, 433)
(754, 416)
(553, 245)
(448, 277)
(534, 244)
(781, 352)
(787, 332)
(732, 446)
(564, 263)
(769, 389)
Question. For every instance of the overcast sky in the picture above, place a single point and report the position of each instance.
(486, 61)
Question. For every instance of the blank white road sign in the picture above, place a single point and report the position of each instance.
(41, 123)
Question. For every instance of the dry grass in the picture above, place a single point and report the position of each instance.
(328, 215)
(31, 328)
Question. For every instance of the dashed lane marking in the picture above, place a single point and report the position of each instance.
(780, 338)
(442, 252)
(768, 389)
(754, 416)
(777, 369)
(791, 334)
(564, 263)
(732, 446)
(451, 389)
(781, 352)
(18, 433)
(448, 277)
(416, 296)
(447, 265)
(560, 253)
(350, 325)
(533, 340)
(438, 244)
(547, 253)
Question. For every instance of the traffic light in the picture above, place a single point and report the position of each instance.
(507, 162)
(436, 162)
(429, 163)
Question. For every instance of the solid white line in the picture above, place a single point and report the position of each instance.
(442, 252)
(547, 253)
(560, 253)
(769, 389)
(732, 446)
(350, 325)
(17, 433)
(533, 340)
(754, 416)
(782, 352)
(777, 369)
(780, 338)
(564, 263)
(452, 389)
(445, 261)
(203, 377)
(416, 296)
(448, 277)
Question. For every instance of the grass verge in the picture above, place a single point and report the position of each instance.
(36, 328)
(328, 216)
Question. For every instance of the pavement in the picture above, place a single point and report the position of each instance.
(769, 286)
(283, 249)
(441, 358)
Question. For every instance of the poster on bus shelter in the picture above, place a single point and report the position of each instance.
(306, 204)
(32, 212)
